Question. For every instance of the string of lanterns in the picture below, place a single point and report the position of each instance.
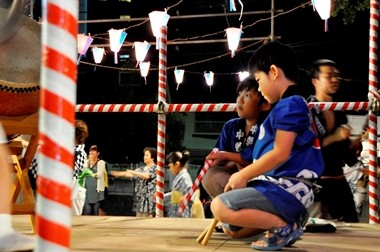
(161, 18)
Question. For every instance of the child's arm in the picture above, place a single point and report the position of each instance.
(283, 145)
(219, 156)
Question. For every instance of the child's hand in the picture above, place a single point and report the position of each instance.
(236, 181)
(216, 158)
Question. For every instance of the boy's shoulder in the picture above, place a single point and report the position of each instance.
(234, 120)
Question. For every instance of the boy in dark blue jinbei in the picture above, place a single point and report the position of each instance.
(272, 194)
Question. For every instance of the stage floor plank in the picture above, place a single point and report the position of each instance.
(110, 233)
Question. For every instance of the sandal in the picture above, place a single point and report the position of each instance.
(278, 237)
(302, 220)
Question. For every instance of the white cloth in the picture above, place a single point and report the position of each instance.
(78, 197)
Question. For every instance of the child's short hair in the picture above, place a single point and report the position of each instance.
(278, 54)
(250, 84)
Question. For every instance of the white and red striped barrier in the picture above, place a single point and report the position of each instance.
(203, 107)
(56, 124)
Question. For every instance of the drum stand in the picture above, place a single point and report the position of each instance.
(27, 125)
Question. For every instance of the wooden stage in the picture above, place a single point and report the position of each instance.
(111, 233)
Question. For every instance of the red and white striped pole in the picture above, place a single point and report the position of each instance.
(196, 184)
(372, 118)
(56, 120)
(161, 122)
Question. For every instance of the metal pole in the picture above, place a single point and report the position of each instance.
(176, 17)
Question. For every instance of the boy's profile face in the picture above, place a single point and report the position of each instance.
(267, 86)
(248, 104)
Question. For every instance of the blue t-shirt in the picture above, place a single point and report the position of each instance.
(305, 161)
(233, 138)
(292, 114)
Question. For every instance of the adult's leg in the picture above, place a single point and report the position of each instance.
(87, 209)
(95, 208)
(216, 179)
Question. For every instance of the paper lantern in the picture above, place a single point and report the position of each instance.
(243, 75)
(179, 76)
(84, 43)
(157, 20)
(98, 54)
(232, 5)
(233, 38)
(209, 78)
(144, 69)
(323, 8)
(117, 38)
(141, 49)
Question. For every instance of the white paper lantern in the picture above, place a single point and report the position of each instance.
(233, 38)
(179, 76)
(209, 78)
(144, 69)
(323, 8)
(157, 20)
(243, 75)
(84, 43)
(117, 38)
(141, 49)
(98, 54)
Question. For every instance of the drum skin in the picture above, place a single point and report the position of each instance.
(20, 61)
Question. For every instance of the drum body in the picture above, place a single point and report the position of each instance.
(20, 61)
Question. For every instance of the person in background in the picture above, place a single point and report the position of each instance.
(10, 240)
(272, 193)
(94, 182)
(334, 199)
(180, 186)
(146, 183)
(80, 155)
(103, 203)
(237, 139)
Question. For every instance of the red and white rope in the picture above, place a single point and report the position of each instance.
(372, 117)
(196, 184)
(115, 108)
(204, 107)
(161, 123)
(340, 105)
(56, 120)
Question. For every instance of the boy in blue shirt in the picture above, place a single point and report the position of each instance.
(238, 137)
(273, 192)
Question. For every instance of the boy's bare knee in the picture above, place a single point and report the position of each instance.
(218, 209)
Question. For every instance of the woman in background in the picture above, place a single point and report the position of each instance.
(145, 185)
(94, 182)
